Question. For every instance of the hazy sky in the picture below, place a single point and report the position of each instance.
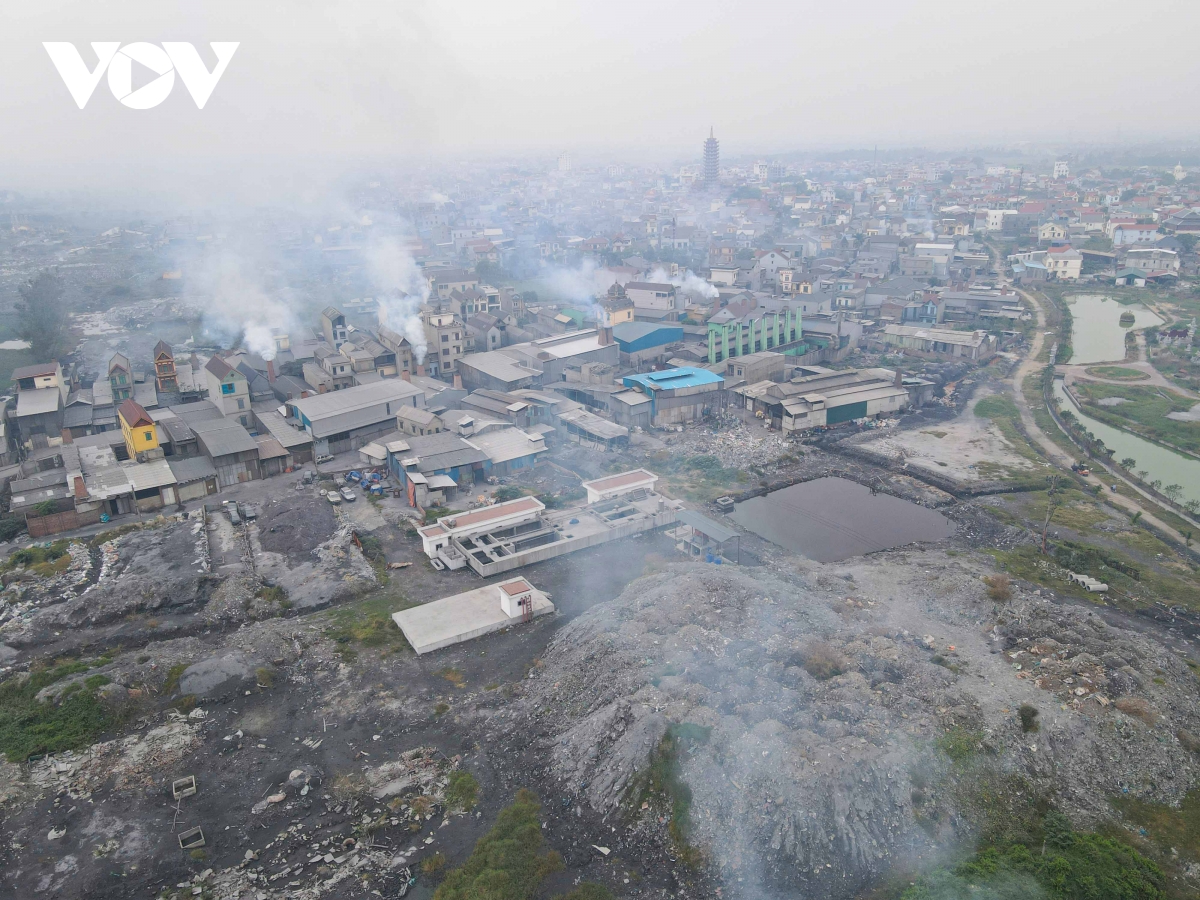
(315, 83)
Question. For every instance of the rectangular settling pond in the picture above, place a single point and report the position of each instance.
(830, 519)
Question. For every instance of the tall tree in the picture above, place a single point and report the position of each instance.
(42, 316)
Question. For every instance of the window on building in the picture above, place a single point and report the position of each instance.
(445, 338)
(445, 351)
(227, 389)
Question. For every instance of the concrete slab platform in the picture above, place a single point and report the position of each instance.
(461, 617)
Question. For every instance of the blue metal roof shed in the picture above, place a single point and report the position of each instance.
(672, 379)
(634, 336)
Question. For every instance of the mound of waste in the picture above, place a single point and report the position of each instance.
(803, 734)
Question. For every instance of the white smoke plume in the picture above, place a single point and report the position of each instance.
(235, 303)
(401, 290)
(575, 285)
(688, 283)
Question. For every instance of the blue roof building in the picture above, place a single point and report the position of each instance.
(670, 397)
(635, 337)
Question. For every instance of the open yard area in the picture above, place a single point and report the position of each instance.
(980, 444)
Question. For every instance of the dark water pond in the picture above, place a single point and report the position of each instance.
(832, 518)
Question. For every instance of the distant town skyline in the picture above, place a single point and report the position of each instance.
(314, 84)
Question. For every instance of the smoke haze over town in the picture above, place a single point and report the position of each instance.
(575, 451)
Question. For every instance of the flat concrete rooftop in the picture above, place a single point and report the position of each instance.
(461, 617)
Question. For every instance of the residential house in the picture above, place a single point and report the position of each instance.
(333, 326)
(446, 336)
(165, 376)
(230, 448)
(1153, 261)
(1125, 235)
(486, 332)
(228, 389)
(120, 377)
(1063, 263)
(138, 430)
(1051, 231)
(418, 421)
(652, 300)
(615, 307)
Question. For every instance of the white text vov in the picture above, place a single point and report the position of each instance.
(118, 60)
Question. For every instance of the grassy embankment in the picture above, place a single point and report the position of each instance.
(1145, 413)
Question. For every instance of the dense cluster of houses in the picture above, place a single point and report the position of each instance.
(464, 380)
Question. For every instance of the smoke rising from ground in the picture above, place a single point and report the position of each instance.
(234, 301)
(402, 289)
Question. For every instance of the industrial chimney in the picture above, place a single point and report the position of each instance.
(606, 335)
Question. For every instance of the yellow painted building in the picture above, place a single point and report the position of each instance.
(137, 428)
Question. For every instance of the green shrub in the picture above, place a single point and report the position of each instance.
(463, 790)
(508, 862)
(1057, 863)
(1028, 715)
(10, 527)
(29, 726)
(173, 675)
(433, 866)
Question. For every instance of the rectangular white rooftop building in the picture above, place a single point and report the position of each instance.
(616, 485)
(462, 617)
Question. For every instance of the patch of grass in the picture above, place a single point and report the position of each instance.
(999, 587)
(1117, 373)
(441, 709)
(113, 533)
(432, 867)
(997, 406)
(463, 791)
(821, 661)
(454, 676)
(367, 623)
(433, 513)
(661, 782)
(10, 527)
(36, 558)
(589, 890)
(1056, 861)
(29, 726)
(1169, 828)
(265, 677)
(507, 492)
(508, 862)
(1138, 709)
(173, 675)
(271, 593)
(960, 744)
(1145, 413)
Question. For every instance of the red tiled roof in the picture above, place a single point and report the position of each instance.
(134, 414)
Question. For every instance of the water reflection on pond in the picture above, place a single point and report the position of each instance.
(1096, 331)
(830, 519)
